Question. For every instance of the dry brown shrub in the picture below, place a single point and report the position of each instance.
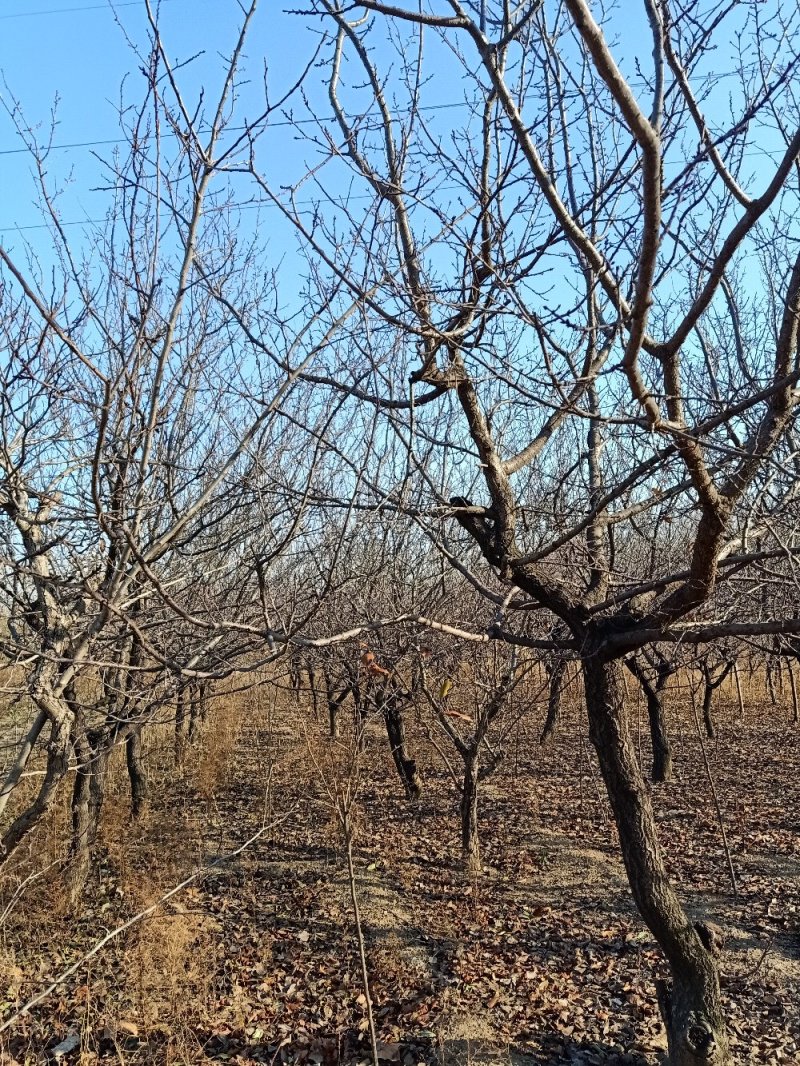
(209, 767)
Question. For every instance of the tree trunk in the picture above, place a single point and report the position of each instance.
(296, 676)
(56, 770)
(793, 686)
(361, 708)
(136, 772)
(659, 737)
(91, 755)
(180, 729)
(691, 1007)
(396, 732)
(80, 853)
(470, 839)
(739, 696)
(23, 755)
(333, 719)
(204, 699)
(335, 700)
(771, 685)
(708, 721)
(556, 678)
(711, 684)
(312, 685)
(194, 714)
(97, 787)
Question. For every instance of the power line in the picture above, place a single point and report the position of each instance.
(249, 205)
(113, 4)
(243, 205)
(108, 6)
(294, 122)
(327, 119)
(104, 142)
(230, 129)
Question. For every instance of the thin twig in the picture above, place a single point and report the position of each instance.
(344, 814)
(710, 777)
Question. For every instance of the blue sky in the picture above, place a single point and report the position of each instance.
(77, 54)
(76, 51)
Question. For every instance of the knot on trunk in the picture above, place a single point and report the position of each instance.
(692, 1037)
(711, 936)
(700, 1039)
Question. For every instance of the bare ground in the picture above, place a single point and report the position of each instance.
(540, 960)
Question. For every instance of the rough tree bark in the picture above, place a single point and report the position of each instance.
(80, 852)
(793, 688)
(555, 672)
(57, 766)
(205, 698)
(296, 676)
(771, 685)
(195, 713)
(335, 699)
(181, 729)
(23, 755)
(140, 787)
(708, 721)
(470, 837)
(691, 1006)
(659, 736)
(396, 732)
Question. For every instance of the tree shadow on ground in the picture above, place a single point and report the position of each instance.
(547, 1050)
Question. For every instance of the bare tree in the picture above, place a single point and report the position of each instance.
(153, 475)
(555, 323)
(553, 331)
(469, 729)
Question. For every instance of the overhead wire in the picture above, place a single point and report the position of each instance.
(250, 205)
(247, 204)
(108, 6)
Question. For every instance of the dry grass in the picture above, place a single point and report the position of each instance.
(170, 967)
(154, 988)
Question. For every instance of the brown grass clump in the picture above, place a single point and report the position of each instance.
(209, 771)
(170, 965)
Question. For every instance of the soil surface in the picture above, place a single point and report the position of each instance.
(541, 959)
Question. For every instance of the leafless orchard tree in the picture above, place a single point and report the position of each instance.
(384, 571)
(553, 327)
(477, 723)
(155, 474)
(579, 296)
